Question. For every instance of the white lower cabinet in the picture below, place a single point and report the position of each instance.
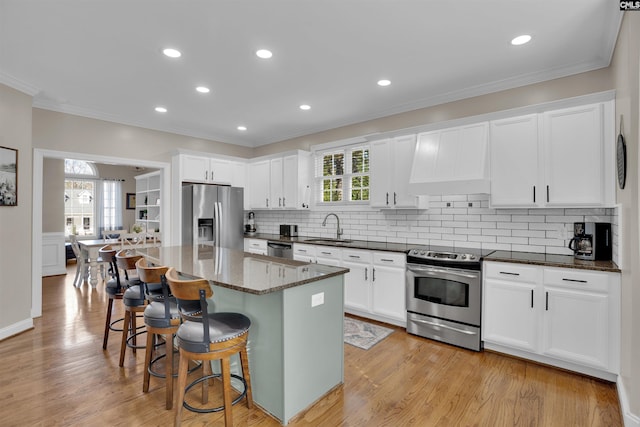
(375, 285)
(255, 246)
(302, 252)
(559, 316)
(357, 292)
(388, 286)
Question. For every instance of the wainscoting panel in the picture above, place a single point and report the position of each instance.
(53, 254)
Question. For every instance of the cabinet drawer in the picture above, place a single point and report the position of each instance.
(307, 250)
(511, 272)
(355, 255)
(327, 252)
(255, 244)
(390, 259)
(576, 279)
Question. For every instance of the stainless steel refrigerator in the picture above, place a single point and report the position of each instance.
(212, 215)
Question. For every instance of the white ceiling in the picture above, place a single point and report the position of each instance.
(102, 58)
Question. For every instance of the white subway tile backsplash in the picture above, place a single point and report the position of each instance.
(478, 226)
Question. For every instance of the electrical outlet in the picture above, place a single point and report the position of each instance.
(317, 299)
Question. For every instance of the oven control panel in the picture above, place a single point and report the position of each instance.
(448, 256)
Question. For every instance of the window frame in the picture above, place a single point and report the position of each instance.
(347, 176)
(82, 178)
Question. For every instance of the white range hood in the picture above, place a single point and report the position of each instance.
(451, 161)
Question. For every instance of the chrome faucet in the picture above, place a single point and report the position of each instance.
(338, 229)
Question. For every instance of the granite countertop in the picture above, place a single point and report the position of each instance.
(352, 244)
(238, 270)
(549, 260)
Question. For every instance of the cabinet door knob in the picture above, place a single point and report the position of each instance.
(366, 273)
(387, 198)
(395, 198)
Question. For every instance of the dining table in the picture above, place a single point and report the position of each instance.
(90, 250)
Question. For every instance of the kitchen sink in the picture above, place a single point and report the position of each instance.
(327, 240)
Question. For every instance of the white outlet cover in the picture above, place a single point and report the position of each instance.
(317, 299)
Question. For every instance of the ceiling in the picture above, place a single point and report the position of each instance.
(103, 58)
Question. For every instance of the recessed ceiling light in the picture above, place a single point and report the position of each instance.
(203, 89)
(525, 38)
(161, 109)
(305, 107)
(384, 82)
(172, 53)
(264, 53)
(242, 128)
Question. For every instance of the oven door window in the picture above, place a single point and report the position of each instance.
(442, 291)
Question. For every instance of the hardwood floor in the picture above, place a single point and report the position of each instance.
(58, 375)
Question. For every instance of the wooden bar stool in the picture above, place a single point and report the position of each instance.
(208, 336)
(113, 288)
(133, 299)
(161, 317)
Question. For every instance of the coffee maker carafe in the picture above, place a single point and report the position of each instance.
(591, 241)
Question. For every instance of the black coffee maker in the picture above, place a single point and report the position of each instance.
(591, 241)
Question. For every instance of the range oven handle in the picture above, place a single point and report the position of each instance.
(462, 331)
(434, 271)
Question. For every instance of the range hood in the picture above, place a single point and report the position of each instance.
(451, 161)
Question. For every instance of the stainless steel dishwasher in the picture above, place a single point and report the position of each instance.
(279, 249)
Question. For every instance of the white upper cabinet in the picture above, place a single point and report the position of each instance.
(390, 161)
(259, 184)
(279, 182)
(207, 170)
(574, 156)
(554, 159)
(514, 161)
(451, 161)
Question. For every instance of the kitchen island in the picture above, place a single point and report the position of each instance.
(296, 349)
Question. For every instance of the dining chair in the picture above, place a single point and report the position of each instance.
(82, 263)
(113, 233)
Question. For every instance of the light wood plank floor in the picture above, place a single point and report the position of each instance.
(58, 374)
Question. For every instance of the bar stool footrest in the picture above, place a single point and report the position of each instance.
(175, 374)
(218, 408)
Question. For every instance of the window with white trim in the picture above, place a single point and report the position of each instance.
(342, 175)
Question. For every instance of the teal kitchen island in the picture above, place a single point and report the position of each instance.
(296, 349)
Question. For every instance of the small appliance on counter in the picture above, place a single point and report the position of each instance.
(591, 241)
(288, 230)
(250, 227)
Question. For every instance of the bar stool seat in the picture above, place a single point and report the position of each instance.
(206, 337)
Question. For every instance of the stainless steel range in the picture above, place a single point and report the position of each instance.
(444, 294)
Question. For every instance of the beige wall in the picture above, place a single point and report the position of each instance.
(52, 199)
(64, 132)
(580, 84)
(626, 73)
(15, 221)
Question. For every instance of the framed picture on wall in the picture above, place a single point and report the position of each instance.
(8, 177)
(131, 200)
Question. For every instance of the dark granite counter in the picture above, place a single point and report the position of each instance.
(238, 270)
(352, 244)
(549, 260)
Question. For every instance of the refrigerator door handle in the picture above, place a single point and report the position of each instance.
(217, 212)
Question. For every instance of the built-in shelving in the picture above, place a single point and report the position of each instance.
(148, 201)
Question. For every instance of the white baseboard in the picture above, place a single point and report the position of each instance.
(16, 328)
(629, 419)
